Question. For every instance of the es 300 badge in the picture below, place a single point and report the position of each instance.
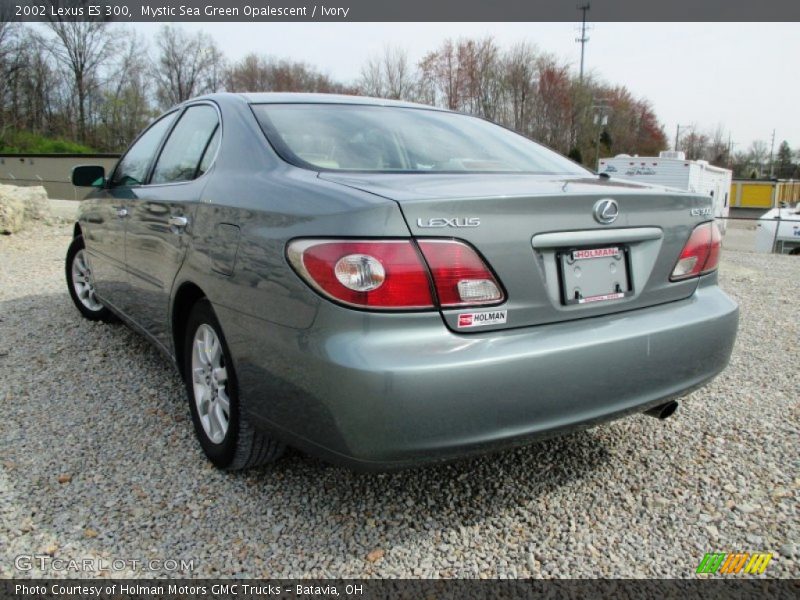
(482, 319)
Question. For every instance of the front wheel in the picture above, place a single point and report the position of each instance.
(224, 431)
(80, 283)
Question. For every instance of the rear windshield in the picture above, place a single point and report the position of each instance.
(345, 137)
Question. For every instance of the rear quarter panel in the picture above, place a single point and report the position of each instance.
(252, 205)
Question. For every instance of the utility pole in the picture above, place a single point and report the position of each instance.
(583, 39)
(731, 144)
(678, 134)
(601, 110)
(771, 162)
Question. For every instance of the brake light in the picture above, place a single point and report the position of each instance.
(392, 274)
(459, 274)
(386, 274)
(701, 253)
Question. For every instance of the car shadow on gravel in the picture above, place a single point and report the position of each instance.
(75, 383)
(498, 478)
(447, 502)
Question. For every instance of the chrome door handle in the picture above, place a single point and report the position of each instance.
(178, 222)
(122, 213)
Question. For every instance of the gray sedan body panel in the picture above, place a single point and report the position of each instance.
(384, 391)
(379, 390)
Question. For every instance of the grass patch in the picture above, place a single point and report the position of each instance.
(23, 142)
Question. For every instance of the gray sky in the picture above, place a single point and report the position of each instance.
(738, 75)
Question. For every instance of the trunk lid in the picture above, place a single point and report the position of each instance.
(527, 226)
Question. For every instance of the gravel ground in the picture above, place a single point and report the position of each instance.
(99, 460)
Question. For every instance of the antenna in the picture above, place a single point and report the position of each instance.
(584, 38)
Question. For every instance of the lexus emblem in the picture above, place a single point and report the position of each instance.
(606, 211)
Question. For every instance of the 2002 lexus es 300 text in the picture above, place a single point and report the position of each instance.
(384, 284)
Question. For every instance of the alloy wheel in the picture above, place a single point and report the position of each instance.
(209, 383)
(83, 282)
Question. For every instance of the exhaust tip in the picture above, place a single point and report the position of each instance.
(663, 411)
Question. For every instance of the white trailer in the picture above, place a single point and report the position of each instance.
(671, 169)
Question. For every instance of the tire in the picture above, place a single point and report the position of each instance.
(80, 284)
(227, 437)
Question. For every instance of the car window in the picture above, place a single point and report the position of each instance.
(401, 139)
(210, 153)
(180, 158)
(132, 169)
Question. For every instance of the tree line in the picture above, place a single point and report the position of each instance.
(756, 161)
(99, 84)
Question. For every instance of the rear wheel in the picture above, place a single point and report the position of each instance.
(80, 283)
(223, 430)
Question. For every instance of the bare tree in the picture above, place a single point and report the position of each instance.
(399, 76)
(107, 99)
(757, 156)
(466, 75)
(250, 74)
(551, 115)
(9, 65)
(126, 105)
(694, 144)
(441, 70)
(389, 75)
(479, 61)
(31, 87)
(7, 35)
(784, 167)
(519, 71)
(255, 73)
(217, 68)
(188, 65)
(372, 81)
(293, 76)
(717, 151)
(82, 47)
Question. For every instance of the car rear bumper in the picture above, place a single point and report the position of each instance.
(377, 397)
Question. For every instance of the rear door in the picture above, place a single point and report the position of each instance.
(161, 216)
(107, 214)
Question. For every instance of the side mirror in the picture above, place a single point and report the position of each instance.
(88, 176)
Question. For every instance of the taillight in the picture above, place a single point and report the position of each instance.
(392, 275)
(386, 274)
(460, 275)
(701, 253)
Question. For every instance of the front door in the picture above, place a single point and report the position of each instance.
(108, 213)
(103, 227)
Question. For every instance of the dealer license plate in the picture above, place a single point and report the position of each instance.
(594, 274)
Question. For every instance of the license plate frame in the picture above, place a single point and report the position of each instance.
(603, 274)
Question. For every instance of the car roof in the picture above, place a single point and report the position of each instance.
(306, 98)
